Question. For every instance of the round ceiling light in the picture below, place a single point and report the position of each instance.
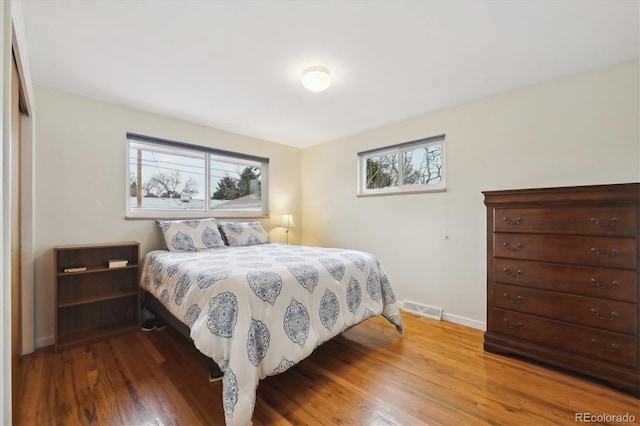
(316, 79)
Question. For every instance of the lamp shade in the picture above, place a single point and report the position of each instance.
(316, 79)
(287, 221)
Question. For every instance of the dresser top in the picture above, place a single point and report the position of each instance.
(626, 193)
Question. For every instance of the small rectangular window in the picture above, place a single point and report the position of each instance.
(416, 166)
(172, 179)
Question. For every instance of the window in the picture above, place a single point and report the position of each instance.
(173, 179)
(416, 166)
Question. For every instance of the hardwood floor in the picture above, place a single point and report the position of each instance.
(435, 373)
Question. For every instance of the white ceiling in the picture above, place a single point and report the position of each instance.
(236, 65)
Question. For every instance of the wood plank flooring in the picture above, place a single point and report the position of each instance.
(435, 373)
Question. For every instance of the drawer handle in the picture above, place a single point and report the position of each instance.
(511, 274)
(611, 316)
(614, 346)
(510, 300)
(614, 284)
(511, 326)
(597, 252)
(605, 224)
(516, 248)
(510, 221)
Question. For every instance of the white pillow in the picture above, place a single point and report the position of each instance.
(191, 235)
(244, 233)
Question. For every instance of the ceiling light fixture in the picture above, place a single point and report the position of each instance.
(316, 79)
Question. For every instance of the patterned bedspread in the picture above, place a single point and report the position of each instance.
(258, 310)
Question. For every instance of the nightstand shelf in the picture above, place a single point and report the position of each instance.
(99, 302)
(64, 303)
(94, 269)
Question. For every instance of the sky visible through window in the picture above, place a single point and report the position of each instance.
(415, 166)
(154, 163)
(176, 179)
(170, 180)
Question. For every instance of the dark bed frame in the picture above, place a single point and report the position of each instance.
(157, 308)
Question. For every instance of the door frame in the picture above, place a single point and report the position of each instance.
(13, 39)
(27, 178)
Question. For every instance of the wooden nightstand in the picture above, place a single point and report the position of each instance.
(95, 302)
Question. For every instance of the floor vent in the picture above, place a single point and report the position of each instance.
(424, 310)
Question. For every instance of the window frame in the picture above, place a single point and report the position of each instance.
(208, 153)
(400, 149)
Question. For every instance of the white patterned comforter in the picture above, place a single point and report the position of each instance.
(260, 309)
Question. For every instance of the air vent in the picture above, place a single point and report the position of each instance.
(433, 312)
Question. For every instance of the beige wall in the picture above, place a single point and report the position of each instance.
(80, 180)
(575, 131)
(578, 130)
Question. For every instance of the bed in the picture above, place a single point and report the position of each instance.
(258, 308)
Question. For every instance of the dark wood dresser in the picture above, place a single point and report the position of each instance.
(562, 278)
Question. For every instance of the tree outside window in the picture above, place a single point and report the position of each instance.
(172, 179)
(416, 166)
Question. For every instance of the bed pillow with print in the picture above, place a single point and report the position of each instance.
(240, 234)
(190, 235)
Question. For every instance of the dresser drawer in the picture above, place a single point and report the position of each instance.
(608, 252)
(616, 284)
(604, 221)
(590, 311)
(602, 345)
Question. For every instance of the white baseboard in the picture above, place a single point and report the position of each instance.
(457, 319)
(45, 341)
